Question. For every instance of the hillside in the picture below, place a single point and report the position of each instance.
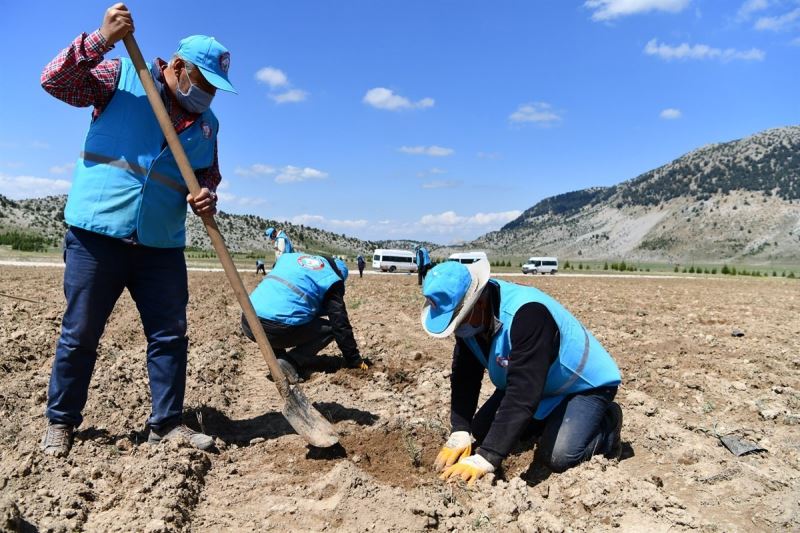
(738, 200)
(243, 233)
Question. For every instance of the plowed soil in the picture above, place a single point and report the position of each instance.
(687, 381)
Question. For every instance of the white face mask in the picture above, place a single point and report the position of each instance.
(466, 330)
(195, 100)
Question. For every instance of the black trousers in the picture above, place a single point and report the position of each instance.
(306, 339)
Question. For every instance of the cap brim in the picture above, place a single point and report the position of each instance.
(444, 324)
(216, 80)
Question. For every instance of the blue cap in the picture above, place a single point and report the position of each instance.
(342, 266)
(210, 57)
(268, 232)
(444, 287)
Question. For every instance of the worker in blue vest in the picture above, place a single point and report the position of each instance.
(260, 267)
(292, 303)
(280, 242)
(423, 260)
(552, 377)
(126, 213)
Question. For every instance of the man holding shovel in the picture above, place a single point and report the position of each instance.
(126, 211)
(552, 377)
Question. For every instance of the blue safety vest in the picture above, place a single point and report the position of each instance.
(293, 291)
(582, 362)
(287, 248)
(423, 258)
(126, 179)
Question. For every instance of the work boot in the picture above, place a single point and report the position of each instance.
(57, 440)
(362, 363)
(614, 412)
(289, 369)
(195, 438)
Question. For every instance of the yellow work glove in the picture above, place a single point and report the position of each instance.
(470, 469)
(457, 447)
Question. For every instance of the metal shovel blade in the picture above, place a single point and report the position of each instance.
(307, 421)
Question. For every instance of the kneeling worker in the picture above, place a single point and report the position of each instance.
(291, 302)
(552, 376)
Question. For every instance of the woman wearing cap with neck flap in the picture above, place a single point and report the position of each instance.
(552, 377)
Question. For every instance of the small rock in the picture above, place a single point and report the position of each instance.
(769, 414)
(356, 458)
(417, 356)
(737, 333)
(738, 385)
(257, 440)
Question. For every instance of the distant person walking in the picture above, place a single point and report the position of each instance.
(280, 242)
(423, 260)
(260, 267)
(126, 213)
(361, 265)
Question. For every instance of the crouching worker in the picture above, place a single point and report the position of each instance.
(552, 377)
(291, 303)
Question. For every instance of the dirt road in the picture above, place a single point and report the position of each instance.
(686, 380)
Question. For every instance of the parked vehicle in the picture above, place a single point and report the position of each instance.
(540, 265)
(467, 258)
(393, 260)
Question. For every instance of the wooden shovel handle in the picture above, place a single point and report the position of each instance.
(208, 220)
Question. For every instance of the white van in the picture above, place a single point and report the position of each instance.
(540, 265)
(467, 258)
(393, 260)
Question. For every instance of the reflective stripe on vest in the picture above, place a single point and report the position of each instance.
(136, 169)
(294, 288)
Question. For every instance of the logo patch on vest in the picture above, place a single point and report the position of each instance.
(502, 361)
(225, 62)
(310, 262)
(206, 127)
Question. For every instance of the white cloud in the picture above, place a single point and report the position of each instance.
(256, 169)
(382, 98)
(272, 76)
(290, 96)
(701, 51)
(751, 6)
(62, 169)
(20, 187)
(538, 112)
(292, 174)
(611, 9)
(433, 150)
(671, 113)
(448, 221)
(779, 23)
(441, 184)
(241, 201)
(278, 81)
(489, 155)
(332, 223)
(435, 171)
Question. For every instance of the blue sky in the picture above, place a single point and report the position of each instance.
(424, 119)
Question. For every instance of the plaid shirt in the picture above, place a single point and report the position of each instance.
(79, 76)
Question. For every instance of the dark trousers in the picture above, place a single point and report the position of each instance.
(575, 431)
(422, 272)
(98, 269)
(360, 271)
(307, 339)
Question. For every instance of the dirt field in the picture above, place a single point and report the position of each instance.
(686, 381)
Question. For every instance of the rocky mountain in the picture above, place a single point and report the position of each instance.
(737, 200)
(243, 233)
